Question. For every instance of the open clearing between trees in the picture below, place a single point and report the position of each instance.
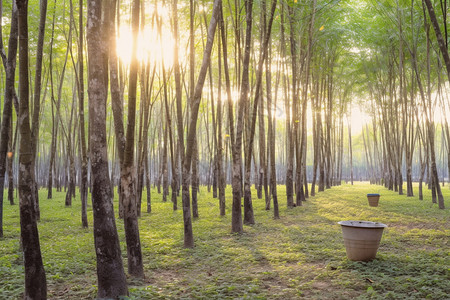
(300, 255)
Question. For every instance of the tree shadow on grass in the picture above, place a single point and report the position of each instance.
(398, 276)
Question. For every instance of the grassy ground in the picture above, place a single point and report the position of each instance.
(299, 256)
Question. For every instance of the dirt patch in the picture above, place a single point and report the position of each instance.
(326, 290)
(57, 292)
(79, 288)
(156, 277)
(321, 285)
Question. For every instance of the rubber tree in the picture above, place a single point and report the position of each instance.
(110, 274)
(35, 280)
(9, 63)
(195, 105)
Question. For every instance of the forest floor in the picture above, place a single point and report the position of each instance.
(298, 256)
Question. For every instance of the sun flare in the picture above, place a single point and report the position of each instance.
(155, 45)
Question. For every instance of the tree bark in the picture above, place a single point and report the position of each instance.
(441, 42)
(128, 174)
(194, 162)
(303, 143)
(55, 119)
(9, 64)
(168, 131)
(236, 213)
(219, 158)
(350, 148)
(195, 101)
(248, 209)
(110, 274)
(262, 178)
(271, 137)
(116, 94)
(315, 130)
(37, 94)
(236, 216)
(12, 149)
(291, 128)
(177, 76)
(83, 150)
(243, 103)
(35, 281)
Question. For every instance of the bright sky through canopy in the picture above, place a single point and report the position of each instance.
(152, 45)
(156, 45)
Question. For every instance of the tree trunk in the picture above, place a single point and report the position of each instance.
(271, 139)
(248, 209)
(148, 184)
(35, 281)
(434, 174)
(236, 213)
(37, 95)
(193, 167)
(291, 128)
(55, 119)
(219, 153)
(83, 151)
(10, 67)
(128, 170)
(315, 112)
(169, 131)
(178, 91)
(110, 274)
(236, 222)
(303, 144)
(116, 94)
(70, 183)
(195, 179)
(12, 150)
(195, 102)
(143, 169)
(259, 172)
(441, 42)
(350, 148)
(243, 99)
(321, 148)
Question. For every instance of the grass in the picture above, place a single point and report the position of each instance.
(299, 256)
